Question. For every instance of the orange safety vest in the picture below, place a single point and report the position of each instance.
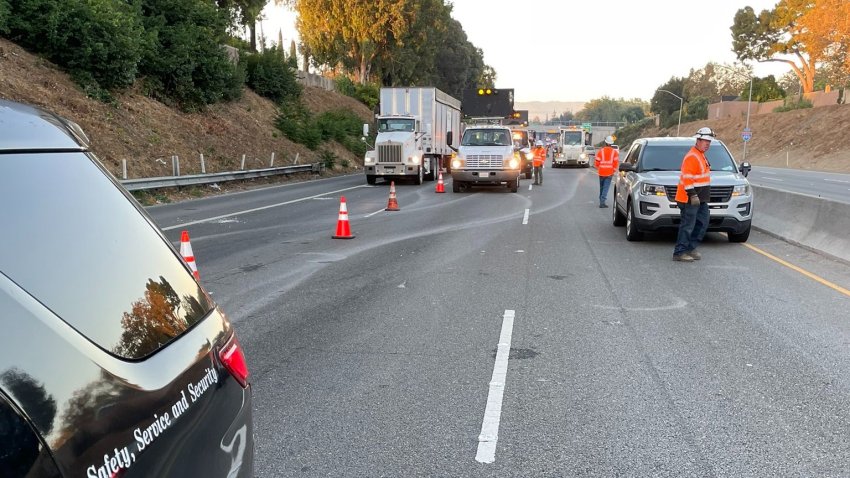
(539, 156)
(696, 173)
(607, 161)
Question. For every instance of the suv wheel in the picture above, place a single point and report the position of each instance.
(632, 233)
(619, 218)
(740, 237)
(455, 186)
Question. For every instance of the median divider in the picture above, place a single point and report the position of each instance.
(813, 222)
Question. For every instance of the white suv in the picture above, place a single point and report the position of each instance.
(645, 189)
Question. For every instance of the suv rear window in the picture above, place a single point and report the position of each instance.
(72, 240)
(668, 157)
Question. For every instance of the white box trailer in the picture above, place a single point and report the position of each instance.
(413, 134)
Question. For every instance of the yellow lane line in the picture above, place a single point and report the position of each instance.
(800, 270)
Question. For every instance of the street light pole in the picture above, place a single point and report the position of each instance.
(749, 102)
(681, 106)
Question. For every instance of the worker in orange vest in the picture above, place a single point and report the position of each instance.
(539, 152)
(692, 196)
(606, 164)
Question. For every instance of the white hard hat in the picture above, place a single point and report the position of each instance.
(538, 143)
(705, 133)
(609, 140)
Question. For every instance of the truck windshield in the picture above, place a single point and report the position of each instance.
(486, 137)
(386, 125)
(572, 138)
(669, 157)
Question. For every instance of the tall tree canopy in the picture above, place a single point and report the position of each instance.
(801, 33)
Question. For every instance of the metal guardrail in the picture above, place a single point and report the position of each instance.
(195, 179)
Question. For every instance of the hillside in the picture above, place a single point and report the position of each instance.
(813, 138)
(147, 133)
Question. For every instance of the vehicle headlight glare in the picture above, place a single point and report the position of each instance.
(653, 190)
(457, 163)
(369, 160)
(741, 190)
(513, 163)
(529, 156)
(583, 155)
(414, 159)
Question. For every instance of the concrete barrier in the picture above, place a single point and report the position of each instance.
(816, 223)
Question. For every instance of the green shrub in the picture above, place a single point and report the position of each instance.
(328, 159)
(368, 94)
(792, 104)
(270, 75)
(185, 62)
(295, 122)
(4, 17)
(98, 41)
(345, 86)
(355, 145)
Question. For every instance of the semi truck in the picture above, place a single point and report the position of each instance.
(414, 134)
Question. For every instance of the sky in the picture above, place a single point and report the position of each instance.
(570, 50)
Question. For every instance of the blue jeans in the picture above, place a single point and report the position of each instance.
(692, 227)
(604, 184)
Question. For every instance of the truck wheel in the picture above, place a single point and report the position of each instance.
(456, 186)
(431, 176)
(515, 185)
(370, 179)
(740, 237)
(632, 233)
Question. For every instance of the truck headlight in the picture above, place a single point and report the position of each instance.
(529, 156)
(513, 163)
(413, 159)
(369, 160)
(583, 156)
(742, 190)
(653, 190)
(457, 163)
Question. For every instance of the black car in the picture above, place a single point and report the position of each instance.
(114, 361)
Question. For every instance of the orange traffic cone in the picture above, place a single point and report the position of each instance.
(440, 186)
(343, 229)
(392, 205)
(188, 256)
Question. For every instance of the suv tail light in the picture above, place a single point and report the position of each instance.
(233, 358)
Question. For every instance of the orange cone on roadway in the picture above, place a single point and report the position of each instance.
(343, 229)
(440, 186)
(392, 205)
(188, 256)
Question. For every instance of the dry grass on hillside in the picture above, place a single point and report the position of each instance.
(147, 133)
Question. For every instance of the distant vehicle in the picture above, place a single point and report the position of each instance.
(485, 158)
(645, 190)
(413, 134)
(114, 360)
(522, 142)
(575, 148)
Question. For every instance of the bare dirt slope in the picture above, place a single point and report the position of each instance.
(147, 133)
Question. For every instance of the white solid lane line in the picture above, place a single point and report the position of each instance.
(774, 179)
(525, 218)
(836, 181)
(493, 413)
(376, 212)
(237, 213)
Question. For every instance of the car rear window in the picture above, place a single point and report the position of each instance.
(668, 157)
(72, 240)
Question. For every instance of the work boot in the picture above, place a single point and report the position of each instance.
(695, 254)
(683, 257)
(603, 205)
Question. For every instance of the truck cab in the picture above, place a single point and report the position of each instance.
(400, 151)
(575, 148)
(486, 158)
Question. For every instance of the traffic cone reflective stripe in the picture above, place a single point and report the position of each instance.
(188, 256)
(343, 229)
(440, 185)
(392, 205)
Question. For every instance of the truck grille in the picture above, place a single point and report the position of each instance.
(389, 153)
(718, 193)
(489, 161)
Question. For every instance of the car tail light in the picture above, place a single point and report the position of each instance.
(233, 358)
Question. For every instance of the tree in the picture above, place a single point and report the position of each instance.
(826, 27)
(764, 89)
(246, 13)
(666, 104)
(807, 31)
(352, 32)
(460, 65)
